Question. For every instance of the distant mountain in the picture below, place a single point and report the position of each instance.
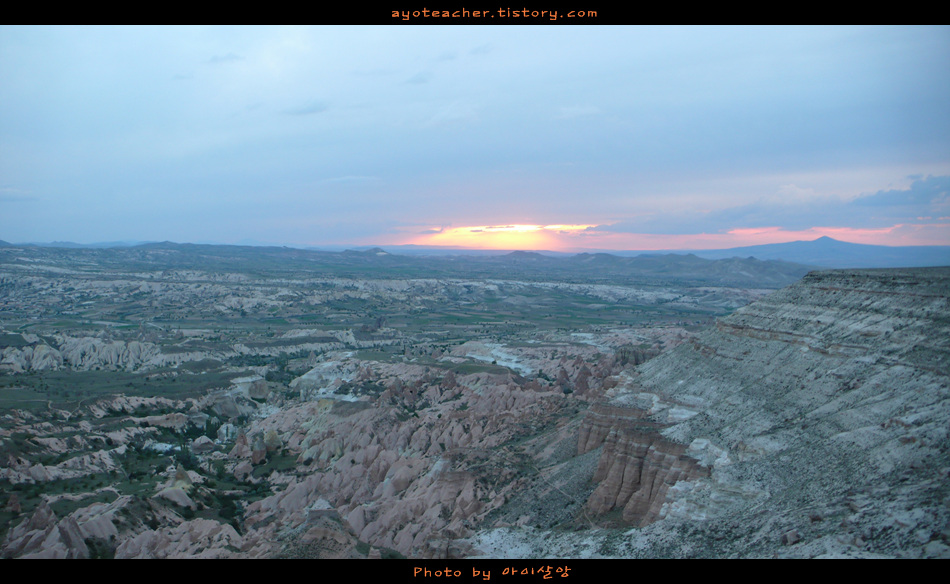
(832, 253)
(426, 250)
(98, 245)
(649, 270)
(824, 252)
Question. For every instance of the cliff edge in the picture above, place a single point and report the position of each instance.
(813, 422)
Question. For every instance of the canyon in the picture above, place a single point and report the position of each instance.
(202, 412)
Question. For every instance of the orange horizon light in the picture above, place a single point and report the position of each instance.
(511, 236)
(576, 238)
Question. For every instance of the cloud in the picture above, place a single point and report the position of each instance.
(12, 195)
(933, 191)
(453, 112)
(666, 131)
(350, 179)
(794, 194)
(659, 224)
(5, 198)
(229, 58)
(795, 208)
(314, 107)
(419, 78)
(577, 111)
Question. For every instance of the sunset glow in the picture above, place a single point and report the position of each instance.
(549, 237)
(577, 238)
(493, 138)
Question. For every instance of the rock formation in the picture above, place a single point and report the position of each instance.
(813, 422)
(44, 536)
(637, 466)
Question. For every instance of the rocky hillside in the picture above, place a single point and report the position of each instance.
(813, 422)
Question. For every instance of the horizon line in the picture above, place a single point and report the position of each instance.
(383, 246)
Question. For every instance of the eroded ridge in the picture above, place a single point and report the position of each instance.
(637, 466)
(821, 411)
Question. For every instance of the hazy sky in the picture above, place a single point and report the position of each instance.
(587, 137)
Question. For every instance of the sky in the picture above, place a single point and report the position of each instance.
(564, 138)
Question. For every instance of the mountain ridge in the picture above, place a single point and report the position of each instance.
(824, 252)
(376, 262)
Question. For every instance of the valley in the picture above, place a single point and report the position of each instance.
(216, 401)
